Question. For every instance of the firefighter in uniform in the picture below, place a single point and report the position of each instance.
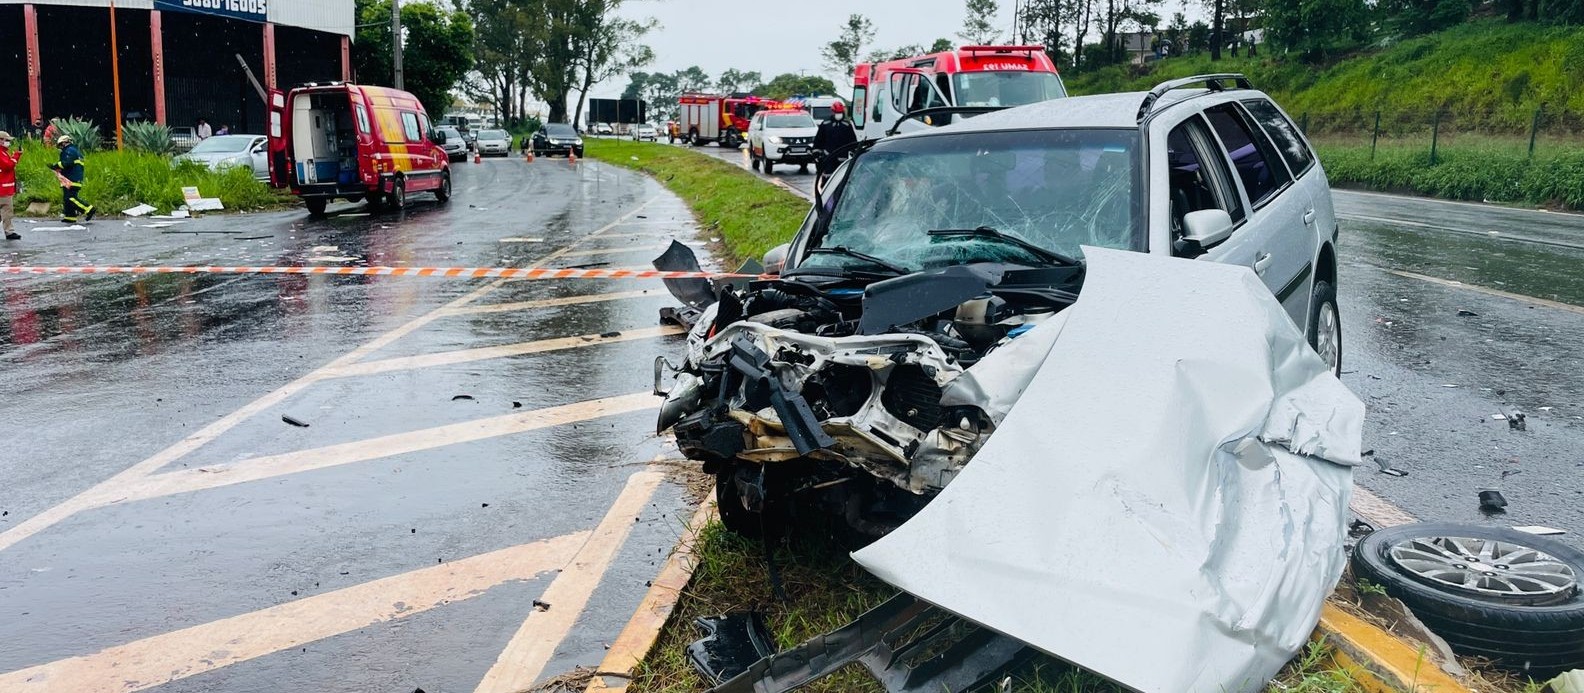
(834, 134)
(70, 172)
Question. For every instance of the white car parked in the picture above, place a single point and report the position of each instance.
(225, 151)
(494, 143)
(781, 137)
(645, 131)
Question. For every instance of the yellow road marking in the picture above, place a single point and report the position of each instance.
(283, 464)
(1378, 660)
(1376, 510)
(641, 632)
(524, 658)
(1487, 291)
(616, 251)
(179, 654)
(448, 358)
(550, 302)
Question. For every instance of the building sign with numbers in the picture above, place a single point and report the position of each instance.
(249, 10)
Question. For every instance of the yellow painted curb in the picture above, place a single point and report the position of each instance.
(641, 632)
(1378, 660)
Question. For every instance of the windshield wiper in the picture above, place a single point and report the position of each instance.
(987, 232)
(866, 257)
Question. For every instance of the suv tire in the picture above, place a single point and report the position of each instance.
(316, 206)
(1540, 639)
(1325, 325)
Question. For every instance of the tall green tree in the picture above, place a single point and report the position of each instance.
(941, 45)
(609, 46)
(1412, 17)
(979, 27)
(733, 80)
(785, 85)
(437, 50)
(502, 55)
(842, 54)
(1317, 30)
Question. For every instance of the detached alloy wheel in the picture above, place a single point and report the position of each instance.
(1490, 592)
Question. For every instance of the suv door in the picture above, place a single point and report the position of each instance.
(756, 135)
(1283, 248)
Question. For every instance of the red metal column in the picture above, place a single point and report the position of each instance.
(269, 55)
(35, 90)
(157, 42)
(346, 59)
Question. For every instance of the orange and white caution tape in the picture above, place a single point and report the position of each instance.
(454, 272)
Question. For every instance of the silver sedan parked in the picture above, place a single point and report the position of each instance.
(225, 151)
(494, 142)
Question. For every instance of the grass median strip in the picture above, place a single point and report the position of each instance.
(749, 215)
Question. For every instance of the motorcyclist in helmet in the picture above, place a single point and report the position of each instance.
(835, 133)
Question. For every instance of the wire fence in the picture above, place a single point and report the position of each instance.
(1542, 133)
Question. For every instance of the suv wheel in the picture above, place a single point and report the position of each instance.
(1325, 326)
(316, 206)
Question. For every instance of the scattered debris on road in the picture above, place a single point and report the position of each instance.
(1540, 530)
(541, 605)
(1492, 501)
(456, 398)
(1515, 421)
(1467, 313)
(294, 421)
(139, 210)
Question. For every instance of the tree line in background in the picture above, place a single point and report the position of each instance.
(502, 53)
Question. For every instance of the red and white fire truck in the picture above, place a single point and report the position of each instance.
(968, 76)
(721, 119)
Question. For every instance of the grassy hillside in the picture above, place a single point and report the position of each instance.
(1486, 75)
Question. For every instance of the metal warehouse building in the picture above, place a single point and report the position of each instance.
(177, 57)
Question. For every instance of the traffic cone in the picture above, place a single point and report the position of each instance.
(571, 158)
(528, 155)
(478, 157)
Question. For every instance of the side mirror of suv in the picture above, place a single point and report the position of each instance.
(1203, 229)
(775, 260)
(437, 137)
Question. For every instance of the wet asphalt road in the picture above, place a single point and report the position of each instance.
(161, 521)
(1432, 378)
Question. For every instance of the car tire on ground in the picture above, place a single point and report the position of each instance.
(803, 169)
(443, 193)
(1526, 614)
(1325, 325)
(768, 167)
(316, 206)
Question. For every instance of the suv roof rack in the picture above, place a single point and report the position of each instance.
(1213, 82)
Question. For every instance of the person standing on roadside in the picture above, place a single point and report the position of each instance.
(224, 129)
(204, 131)
(834, 134)
(51, 131)
(70, 172)
(8, 185)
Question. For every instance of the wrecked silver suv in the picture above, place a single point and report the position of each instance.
(849, 383)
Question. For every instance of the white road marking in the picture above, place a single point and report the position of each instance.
(525, 657)
(551, 302)
(191, 651)
(283, 464)
(447, 358)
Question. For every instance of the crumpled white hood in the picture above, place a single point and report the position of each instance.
(1166, 502)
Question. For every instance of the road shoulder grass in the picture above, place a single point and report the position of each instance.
(748, 215)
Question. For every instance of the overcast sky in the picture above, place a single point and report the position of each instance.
(782, 35)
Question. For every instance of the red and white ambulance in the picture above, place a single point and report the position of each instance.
(968, 76)
(354, 142)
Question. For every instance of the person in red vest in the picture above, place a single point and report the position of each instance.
(8, 185)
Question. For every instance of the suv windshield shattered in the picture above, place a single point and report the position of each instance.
(920, 202)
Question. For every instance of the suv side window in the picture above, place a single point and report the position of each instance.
(1283, 133)
(1198, 174)
(1260, 169)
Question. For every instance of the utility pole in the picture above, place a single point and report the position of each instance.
(396, 43)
